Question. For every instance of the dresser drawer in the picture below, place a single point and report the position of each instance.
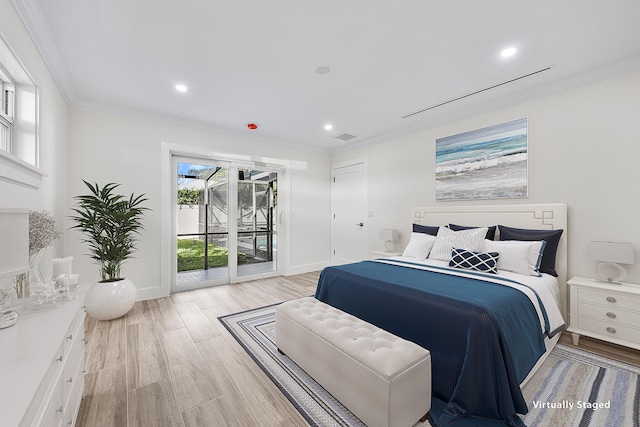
(76, 331)
(74, 397)
(53, 415)
(609, 298)
(609, 314)
(35, 410)
(612, 330)
(74, 361)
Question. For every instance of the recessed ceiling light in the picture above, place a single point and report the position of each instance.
(328, 126)
(323, 69)
(181, 88)
(508, 52)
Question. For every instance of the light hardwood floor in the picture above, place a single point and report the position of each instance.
(170, 362)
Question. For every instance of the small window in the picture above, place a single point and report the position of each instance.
(7, 108)
(19, 142)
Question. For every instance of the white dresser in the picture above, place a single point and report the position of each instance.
(604, 311)
(42, 367)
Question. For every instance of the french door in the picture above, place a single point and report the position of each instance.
(226, 216)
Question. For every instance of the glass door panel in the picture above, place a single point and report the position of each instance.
(256, 221)
(202, 216)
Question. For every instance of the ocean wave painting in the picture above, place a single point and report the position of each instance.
(487, 163)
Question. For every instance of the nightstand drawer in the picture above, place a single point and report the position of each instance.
(609, 329)
(610, 314)
(610, 298)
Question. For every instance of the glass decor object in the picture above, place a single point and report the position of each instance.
(42, 233)
(609, 256)
(7, 318)
(31, 279)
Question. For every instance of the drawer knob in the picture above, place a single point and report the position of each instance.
(70, 337)
(611, 330)
(611, 315)
(612, 300)
(59, 409)
(59, 359)
(70, 380)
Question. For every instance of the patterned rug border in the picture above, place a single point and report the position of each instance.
(330, 411)
(321, 408)
(581, 355)
(259, 362)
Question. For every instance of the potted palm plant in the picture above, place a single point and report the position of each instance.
(110, 223)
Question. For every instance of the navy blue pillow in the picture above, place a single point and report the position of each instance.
(479, 261)
(552, 237)
(491, 232)
(426, 229)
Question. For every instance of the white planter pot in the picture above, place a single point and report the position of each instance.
(110, 300)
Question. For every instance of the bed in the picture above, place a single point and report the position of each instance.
(487, 333)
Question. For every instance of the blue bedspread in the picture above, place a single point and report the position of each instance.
(484, 338)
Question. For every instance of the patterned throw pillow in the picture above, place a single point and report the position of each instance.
(446, 240)
(470, 260)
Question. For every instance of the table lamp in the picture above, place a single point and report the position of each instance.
(390, 235)
(609, 256)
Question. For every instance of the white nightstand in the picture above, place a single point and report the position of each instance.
(383, 254)
(604, 311)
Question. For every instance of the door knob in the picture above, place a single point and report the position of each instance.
(361, 224)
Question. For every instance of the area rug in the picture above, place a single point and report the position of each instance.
(572, 388)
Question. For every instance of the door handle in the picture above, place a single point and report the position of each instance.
(361, 224)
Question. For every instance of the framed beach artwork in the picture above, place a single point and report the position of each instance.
(488, 163)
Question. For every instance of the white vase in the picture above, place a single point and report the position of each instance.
(110, 300)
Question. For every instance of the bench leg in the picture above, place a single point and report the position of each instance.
(424, 418)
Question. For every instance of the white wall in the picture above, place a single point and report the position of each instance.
(53, 135)
(584, 150)
(105, 148)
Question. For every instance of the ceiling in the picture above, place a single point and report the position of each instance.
(250, 61)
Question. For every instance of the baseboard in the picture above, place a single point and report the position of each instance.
(306, 268)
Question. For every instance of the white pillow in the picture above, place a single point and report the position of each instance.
(419, 246)
(448, 239)
(514, 255)
(535, 257)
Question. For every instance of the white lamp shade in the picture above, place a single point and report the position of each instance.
(389, 234)
(14, 242)
(620, 253)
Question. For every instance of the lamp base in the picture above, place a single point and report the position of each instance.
(611, 273)
(388, 245)
(8, 318)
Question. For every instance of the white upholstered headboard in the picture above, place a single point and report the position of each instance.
(544, 216)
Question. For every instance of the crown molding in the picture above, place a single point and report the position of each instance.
(38, 29)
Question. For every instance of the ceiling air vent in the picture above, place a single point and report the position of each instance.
(477, 92)
(344, 136)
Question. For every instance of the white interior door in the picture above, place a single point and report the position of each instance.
(349, 212)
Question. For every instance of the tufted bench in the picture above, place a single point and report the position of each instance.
(382, 379)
